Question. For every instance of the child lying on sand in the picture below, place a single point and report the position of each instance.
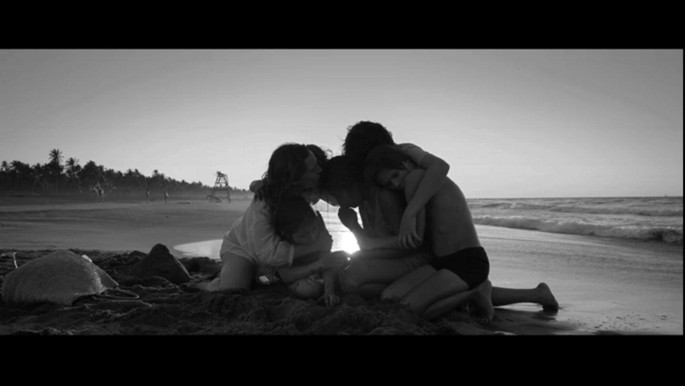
(298, 223)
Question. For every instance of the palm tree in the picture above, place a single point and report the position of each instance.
(56, 157)
(72, 169)
(55, 166)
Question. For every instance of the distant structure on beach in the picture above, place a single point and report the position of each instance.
(98, 190)
(220, 184)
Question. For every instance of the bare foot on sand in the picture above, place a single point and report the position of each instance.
(547, 299)
(482, 302)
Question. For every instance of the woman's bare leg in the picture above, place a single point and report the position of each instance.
(236, 273)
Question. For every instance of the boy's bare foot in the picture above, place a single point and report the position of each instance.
(481, 303)
(547, 300)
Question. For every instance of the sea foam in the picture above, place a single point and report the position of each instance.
(642, 218)
(667, 234)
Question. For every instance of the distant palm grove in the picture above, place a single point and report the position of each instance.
(70, 178)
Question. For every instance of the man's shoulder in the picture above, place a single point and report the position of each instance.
(414, 152)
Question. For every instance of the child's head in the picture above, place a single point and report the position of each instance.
(308, 288)
(341, 179)
(296, 221)
(386, 166)
(362, 137)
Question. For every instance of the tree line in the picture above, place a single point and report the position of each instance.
(58, 177)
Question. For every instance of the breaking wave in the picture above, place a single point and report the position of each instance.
(667, 234)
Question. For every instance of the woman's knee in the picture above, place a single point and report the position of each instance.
(236, 273)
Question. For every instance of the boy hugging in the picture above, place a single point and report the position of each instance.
(459, 272)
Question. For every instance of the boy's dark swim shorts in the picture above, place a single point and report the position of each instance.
(470, 264)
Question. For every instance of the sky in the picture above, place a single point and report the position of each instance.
(511, 123)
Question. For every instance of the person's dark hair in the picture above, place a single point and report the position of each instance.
(283, 176)
(290, 215)
(362, 137)
(383, 157)
(320, 154)
(339, 173)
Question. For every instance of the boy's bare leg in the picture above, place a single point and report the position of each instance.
(364, 270)
(482, 302)
(447, 304)
(402, 286)
(437, 286)
(541, 294)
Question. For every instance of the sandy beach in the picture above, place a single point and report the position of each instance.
(604, 286)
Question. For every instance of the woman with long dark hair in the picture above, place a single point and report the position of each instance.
(251, 248)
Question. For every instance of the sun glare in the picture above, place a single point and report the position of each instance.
(345, 241)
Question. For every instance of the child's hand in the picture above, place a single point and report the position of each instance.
(409, 239)
(331, 299)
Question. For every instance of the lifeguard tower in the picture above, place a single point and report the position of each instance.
(220, 184)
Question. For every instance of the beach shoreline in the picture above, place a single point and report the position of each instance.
(604, 286)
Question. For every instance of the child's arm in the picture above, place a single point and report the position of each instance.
(291, 274)
(435, 172)
(412, 182)
(330, 296)
(327, 261)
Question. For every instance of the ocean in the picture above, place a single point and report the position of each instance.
(657, 219)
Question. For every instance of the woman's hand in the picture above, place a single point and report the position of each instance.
(408, 237)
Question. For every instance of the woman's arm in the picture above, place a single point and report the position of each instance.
(293, 273)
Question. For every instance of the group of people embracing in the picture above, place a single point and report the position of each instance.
(418, 244)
